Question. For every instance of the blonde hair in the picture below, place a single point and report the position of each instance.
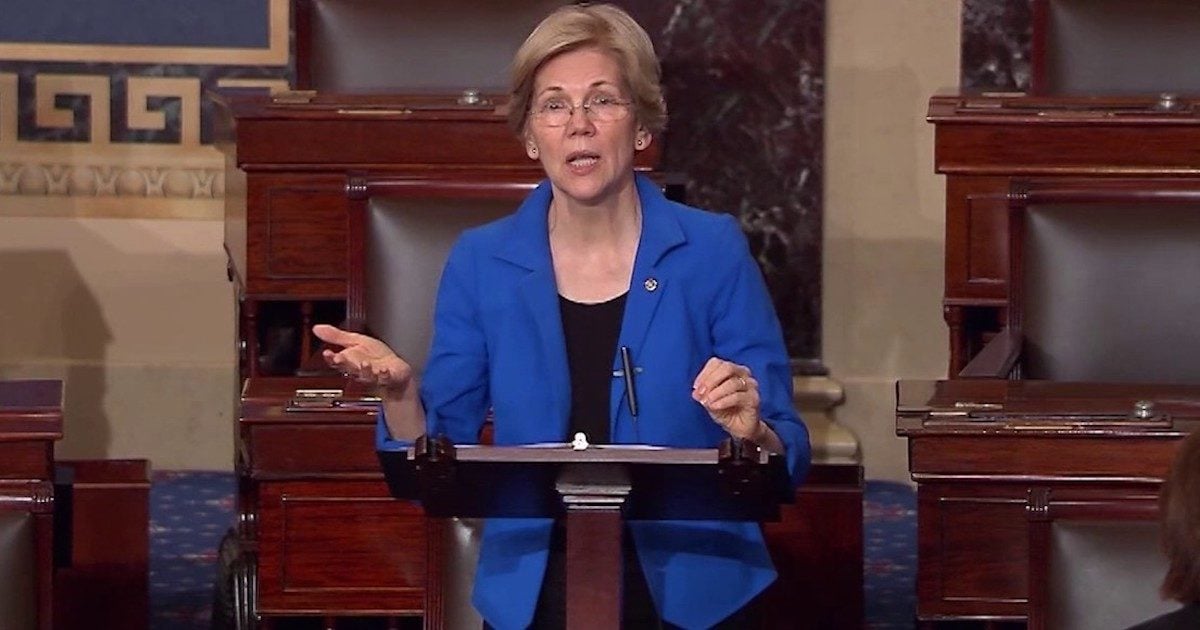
(602, 26)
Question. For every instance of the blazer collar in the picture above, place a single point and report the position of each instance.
(529, 243)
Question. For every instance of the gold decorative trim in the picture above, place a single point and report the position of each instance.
(276, 53)
(273, 85)
(8, 107)
(111, 208)
(114, 180)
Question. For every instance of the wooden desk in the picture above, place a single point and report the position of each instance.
(289, 172)
(30, 423)
(979, 448)
(983, 143)
(320, 535)
(319, 532)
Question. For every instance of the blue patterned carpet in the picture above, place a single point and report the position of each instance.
(190, 511)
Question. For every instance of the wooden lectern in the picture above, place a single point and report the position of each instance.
(594, 489)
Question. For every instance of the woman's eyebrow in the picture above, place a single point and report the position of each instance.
(594, 85)
(554, 89)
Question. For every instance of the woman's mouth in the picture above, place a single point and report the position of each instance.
(582, 159)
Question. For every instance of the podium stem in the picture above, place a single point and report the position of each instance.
(594, 571)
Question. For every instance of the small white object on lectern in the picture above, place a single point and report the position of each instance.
(580, 442)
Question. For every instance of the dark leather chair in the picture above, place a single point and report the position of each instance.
(453, 554)
(18, 588)
(1101, 285)
(410, 45)
(1115, 47)
(1095, 564)
(1101, 290)
(399, 241)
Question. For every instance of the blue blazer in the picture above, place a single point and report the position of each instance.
(696, 293)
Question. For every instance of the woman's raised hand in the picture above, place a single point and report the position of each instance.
(730, 394)
(364, 358)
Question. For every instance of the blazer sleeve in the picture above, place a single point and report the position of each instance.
(454, 386)
(746, 330)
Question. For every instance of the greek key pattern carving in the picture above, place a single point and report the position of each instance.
(184, 171)
(123, 130)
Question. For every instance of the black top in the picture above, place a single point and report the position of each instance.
(591, 332)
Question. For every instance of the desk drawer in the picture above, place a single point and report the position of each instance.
(311, 449)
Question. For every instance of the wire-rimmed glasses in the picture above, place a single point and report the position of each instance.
(557, 112)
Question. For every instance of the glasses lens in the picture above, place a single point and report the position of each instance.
(607, 108)
(557, 113)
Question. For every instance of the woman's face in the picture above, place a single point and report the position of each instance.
(588, 156)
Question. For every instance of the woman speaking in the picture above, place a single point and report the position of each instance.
(538, 313)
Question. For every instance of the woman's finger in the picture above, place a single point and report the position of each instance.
(701, 379)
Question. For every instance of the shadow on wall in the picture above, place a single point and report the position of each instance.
(888, 294)
(51, 326)
(137, 317)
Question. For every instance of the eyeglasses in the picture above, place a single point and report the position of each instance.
(557, 112)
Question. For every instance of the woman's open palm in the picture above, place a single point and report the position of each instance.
(364, 358)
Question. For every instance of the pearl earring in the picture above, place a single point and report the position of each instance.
(533, 151)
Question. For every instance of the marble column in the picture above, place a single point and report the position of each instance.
(996, 36)
(744, 84)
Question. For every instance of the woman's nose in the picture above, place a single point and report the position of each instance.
(580, 121)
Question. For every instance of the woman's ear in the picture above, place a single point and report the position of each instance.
(531, 149)
(642, 139)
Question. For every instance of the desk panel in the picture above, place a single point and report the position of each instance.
(339, 547)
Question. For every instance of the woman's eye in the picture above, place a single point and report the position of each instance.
(553, 106)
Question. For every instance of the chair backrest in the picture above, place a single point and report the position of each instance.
(1105, 286)
(454, 553)
(1104, 574)
(18, 593)
(349, 46)
(400, 233)
(1115, 47)
(1094, 563)
(407, 241)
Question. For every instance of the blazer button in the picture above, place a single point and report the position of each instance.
(650, 284)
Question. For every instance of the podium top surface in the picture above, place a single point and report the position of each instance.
(542, 481)
(593, 454)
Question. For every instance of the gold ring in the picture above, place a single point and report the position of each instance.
(744, 385)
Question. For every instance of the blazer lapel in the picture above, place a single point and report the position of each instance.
(529, 247)
(660, 234)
